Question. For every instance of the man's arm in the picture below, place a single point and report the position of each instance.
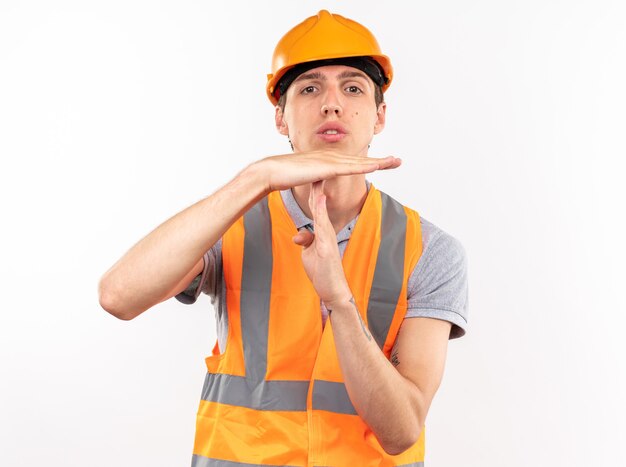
(164, 262)
(159, 264)
(393, 402)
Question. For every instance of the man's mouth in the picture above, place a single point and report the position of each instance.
(331, 132)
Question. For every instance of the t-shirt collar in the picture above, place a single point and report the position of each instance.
(301, 220)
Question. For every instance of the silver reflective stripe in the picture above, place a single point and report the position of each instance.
(201, 461)
(256, 284)
(258, 395)
(333, 397)
(389, 272)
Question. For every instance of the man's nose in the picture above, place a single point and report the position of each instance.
(332, 108)
(331, 104)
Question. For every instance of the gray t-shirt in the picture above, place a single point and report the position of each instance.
(437, 286)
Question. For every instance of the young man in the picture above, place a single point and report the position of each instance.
(335, 303)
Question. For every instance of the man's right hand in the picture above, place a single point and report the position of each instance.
(287, 171)
(164, 262)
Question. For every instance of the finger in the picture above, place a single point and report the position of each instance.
(389, 162)
(351, 157)
(395, 163)
(303, 238)
(365, 159)
(347, 165)
(318, 186)
(344, 163)
(316, 193)
(316, 189)
(322, 222)
(311, 198)
(320, 209)
(362, 168)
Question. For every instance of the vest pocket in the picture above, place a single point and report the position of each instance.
(213, 360)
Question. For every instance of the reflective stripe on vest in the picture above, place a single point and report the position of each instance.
(276, 395)
(388, 274)
(255, 302)
(240, 386)
(199, 461)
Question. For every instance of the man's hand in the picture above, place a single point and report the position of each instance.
(164, 262)
(287, 171)
(320, 253)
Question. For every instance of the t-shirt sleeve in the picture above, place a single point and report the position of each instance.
(206, 281)
(438, 286)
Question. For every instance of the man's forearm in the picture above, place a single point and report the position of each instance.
(149, 271)
(390, 404)
(155, 266)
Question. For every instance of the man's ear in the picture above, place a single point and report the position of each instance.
(281, 124)
(380, 118)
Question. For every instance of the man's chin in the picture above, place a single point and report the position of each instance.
(341, 146)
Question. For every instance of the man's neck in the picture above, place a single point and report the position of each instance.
(345, 197)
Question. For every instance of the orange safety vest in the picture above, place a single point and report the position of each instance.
(276, 396)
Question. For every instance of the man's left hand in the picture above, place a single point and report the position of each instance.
(320, 252)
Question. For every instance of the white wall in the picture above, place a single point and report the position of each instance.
(509, 117)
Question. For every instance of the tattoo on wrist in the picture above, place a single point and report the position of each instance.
(365, 330)
(394, 358)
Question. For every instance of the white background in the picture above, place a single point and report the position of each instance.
(510, 119)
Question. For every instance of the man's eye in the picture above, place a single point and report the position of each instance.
(308, 89)
(353, 89)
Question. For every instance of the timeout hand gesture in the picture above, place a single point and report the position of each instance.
(320, 253)
(287, 171)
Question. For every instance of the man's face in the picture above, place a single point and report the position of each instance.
(331, 107)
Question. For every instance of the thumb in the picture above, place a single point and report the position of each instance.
(303, 238)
